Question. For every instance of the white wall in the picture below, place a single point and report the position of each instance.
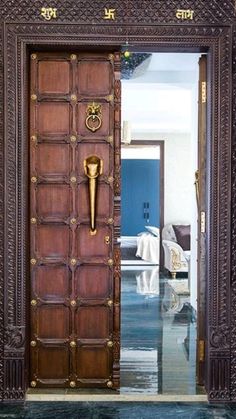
(178, 179)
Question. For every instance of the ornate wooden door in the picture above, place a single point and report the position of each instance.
(75, 277)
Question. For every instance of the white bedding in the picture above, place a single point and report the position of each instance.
(148, 248)
(128, 241)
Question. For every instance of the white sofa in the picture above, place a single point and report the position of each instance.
(175, 258)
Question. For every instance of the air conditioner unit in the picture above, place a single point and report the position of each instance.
(126, 132)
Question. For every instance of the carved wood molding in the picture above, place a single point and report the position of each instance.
(1, 223)
(233, 234)
(222, 328)
(146, 12)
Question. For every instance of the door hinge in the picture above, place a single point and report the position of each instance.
(201, 350)
(204, 92)
(203, 222)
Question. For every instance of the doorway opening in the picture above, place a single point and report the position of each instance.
(162, 313)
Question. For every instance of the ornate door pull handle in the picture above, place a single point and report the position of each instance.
(93, 120)
(93, 167)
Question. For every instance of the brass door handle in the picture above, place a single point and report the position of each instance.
(93, 167)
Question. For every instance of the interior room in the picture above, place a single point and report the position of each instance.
(159, 223)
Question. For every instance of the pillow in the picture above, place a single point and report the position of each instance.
(154, 230)
(182, 233)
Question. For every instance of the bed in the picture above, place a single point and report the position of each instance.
(145, 246)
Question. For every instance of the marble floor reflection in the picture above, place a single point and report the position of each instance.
(158, 334)
(114, 410)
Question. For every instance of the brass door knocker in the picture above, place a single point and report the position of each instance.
(93, 167)
(94, 116)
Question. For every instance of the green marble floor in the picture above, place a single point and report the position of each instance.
(158, 344)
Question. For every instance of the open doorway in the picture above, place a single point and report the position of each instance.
(159, 325)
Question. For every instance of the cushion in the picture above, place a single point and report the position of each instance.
(154, 230)
(182, 233)
(168, 233)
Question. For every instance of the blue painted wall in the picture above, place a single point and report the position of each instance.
(140, 183)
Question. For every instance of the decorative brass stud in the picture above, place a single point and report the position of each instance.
(72, 344)
(33, 96)
(73, 303)
(34, 138)
(110, 179)
(72, 384)
(73, 179)
(33, 179)
(110, 98)
(33, 56)
(111, 57)
(73, 262)
(33, 220)
(33, 261)
(110, 303)
(109, 384)
(110, 262)
(33, 343)
(110, 344)
(33, 384)
(73, 221)
(73, 57)
(110, 139)
(33, 302)
(73, 98)
(110, 221)
(73, 138)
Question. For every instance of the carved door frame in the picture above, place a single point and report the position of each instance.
(23, 33)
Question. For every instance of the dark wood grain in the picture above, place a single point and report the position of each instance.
(55, 241)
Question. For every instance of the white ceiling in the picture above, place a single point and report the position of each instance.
(159, 97)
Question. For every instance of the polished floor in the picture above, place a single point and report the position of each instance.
(62, 410)
(158, 340)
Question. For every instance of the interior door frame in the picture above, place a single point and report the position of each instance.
(19, 38)
(161, 144)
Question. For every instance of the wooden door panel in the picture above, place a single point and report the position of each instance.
(104, 201)
(53, 321)
(95, 245)
(53, 159)
(107, 121)
(59, 120)
(52, 282)
(94, 81)
(72, 284)
(53, 202)
(54, 77)
(92, 322)
(52, 241)
(87, 357)
(91, 283)
(53, 363)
